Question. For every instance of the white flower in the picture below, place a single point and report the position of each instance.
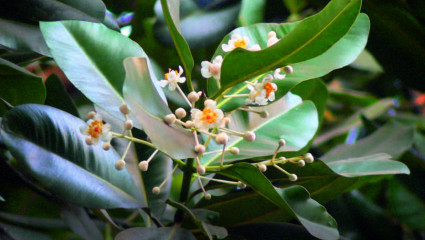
(261, 93)
(172, 78)
(209, 117)
(97, 130)
(212, 69)
(236, 41)
(277, 74)
(255, 47)
(272, 39)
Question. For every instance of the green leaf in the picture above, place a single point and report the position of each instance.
(310, 38)
(79, 221)
(163, 233)
(295, 200)
(2, 199)
(58, 97)
(351, 97)
(271, 231)
(172, 17)
(18, 86)
(406, 206)
(142, 96)
(20, 233)
(293, 121)
(47, 142)
(91, 55)
(34, 222)
(251, 12)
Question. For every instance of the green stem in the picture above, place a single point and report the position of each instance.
(184, 193)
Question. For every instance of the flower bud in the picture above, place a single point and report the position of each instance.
(262, 167)
(88, 140)
(144, 165)
(92, 114)
(200, 93)
(189, 124)
(249, 136)
(180, 113)
(208, 101)
(120, 164)
(201, 169)
(264, 114)
(282, 142)
(156, 190)
(207, 196)
(301, 163)
(170, 118)
(222, 138)
(288, 69)
(241, 185)
(271, 34)
(124, 109)
(226, 120)
(308, 158)
(128, 124)
(234, 150)
(282, 158)
(106, 146)
(293, 177)
(193, 96)
(199, 148)
(215, 69)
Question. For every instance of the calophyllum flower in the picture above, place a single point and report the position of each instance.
(212, 69)
(172, 78)
(261, 93)
(272, 39)
(209, 117)
(96, 130)
(239, 41)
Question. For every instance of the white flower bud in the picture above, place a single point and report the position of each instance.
(308, 158)
(208, 101)
(301, 163)
(215, 69)
(249, 136)
(207, 196)
(120, 164)
(282, 158)
(201, 169)
(144, 165)
(180, 113)
(271, 34)
(282, 142)
(189, 124)
(234, 150)
(200, 93)
(128, 124)
(156, 190)
(241, 185)
(262, 167)
(88, 140)
(170, 118)
(293, 177)
(193, 96)
(222, 138)
(264, 114)
(124, 109)
(288, 69)
(92, 114)
(106, 146)
(226, 120)
(199, 148)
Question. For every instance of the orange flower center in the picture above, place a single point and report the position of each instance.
(269, 89)
(169, 70)
(240, 43)
(95, 128)
(208, 115)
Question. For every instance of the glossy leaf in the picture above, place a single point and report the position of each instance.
(91, 56)
(294, 121)
(79, 221)
(58, 97)
(310, 38)
(251, 12)
(295, 200)
(163, 233)
(19, 86)
(47, 142)
(142, 96)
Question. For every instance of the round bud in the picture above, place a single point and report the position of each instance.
(193, 96)
(215, 69)
(308, 158)
(106, 146)
(264, 114)
(128, 124)
(156, 190)
(208, 102)
(120, 164)
(201, 169)
(241, 185)
(288, 69)
(124, 109)
(144, 165)
(222, 138)
(189, 124)
(170, 118)
(88, 140)
(226, 120)
(249, 136)
(282, 142)
(234, 150)
(282, 158)
(207, 196)
(262, 167)
(200, 93)
(271, 34)
(293, 177)
(301, 163)
(92, 114)
(180, 113)
(199, 148)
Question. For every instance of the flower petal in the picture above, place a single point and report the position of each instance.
(163, 83)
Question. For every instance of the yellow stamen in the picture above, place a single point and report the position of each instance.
(95, 128)
(269, 89)
(240, 43)
(208, 115)
(169, 70)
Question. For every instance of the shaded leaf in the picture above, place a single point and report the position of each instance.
(251, 12)
(80, 223)
(270, 231)
(20, 233)
(164, 233)
(58, 97)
